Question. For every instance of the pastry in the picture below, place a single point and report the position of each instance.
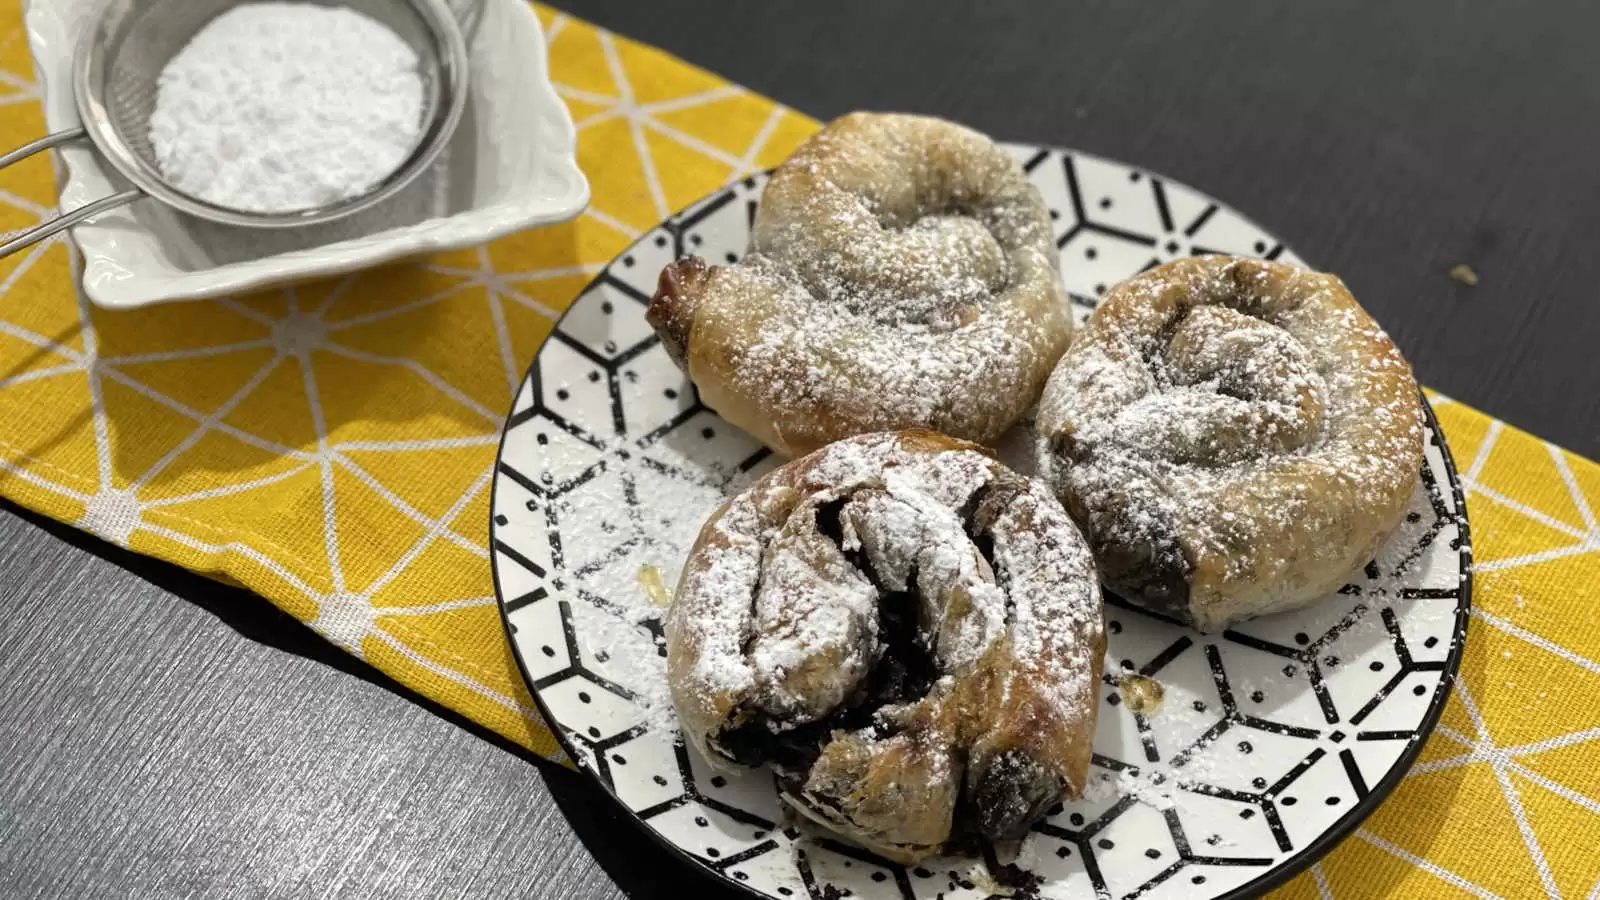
(906, 631)
(901, 274)
(1234, 436)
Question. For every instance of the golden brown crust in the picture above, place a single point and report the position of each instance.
(901, 274)
(1235, 436)
(901, 627)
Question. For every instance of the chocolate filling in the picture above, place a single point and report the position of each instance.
(903, 674)
(1154, 573)
(1001, 802)
(1010, 794)
(906, 669)
(671, 310)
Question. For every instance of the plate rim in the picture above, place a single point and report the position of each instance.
(1275, 877)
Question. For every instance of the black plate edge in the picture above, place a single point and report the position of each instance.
(1324, 843)
(701, 869)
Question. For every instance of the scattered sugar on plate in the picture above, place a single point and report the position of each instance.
(635, 655)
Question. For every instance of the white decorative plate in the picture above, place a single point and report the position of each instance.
(1273, 741)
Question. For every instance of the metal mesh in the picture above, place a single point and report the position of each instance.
(136, 39)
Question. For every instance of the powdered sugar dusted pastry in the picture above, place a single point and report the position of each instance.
(901, 274)
(902, 628)
(1235, 436)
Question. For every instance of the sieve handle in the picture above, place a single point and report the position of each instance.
(468, 13)
(44, 143)
(66, 220)
(38, 233)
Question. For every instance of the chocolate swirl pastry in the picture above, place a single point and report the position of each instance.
(1234, 436)
(901, 274)
(906, 631)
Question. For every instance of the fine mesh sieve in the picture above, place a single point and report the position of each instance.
(128, 42)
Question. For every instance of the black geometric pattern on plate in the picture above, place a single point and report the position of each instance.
(1272, 740)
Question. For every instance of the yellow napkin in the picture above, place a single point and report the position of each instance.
(349, 482)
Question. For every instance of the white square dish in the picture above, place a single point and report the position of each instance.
(511, 165)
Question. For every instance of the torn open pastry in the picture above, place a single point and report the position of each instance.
(907, 632)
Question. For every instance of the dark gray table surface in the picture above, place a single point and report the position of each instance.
(163, 736)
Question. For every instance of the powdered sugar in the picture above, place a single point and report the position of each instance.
(276, 107)
(914, 540)
(901, 274)
(750, 586)
(639, 659)
(726, 578)
(814, 623)
(778, 619)
(812, 352)
(1050, 587)
(1234, 435)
